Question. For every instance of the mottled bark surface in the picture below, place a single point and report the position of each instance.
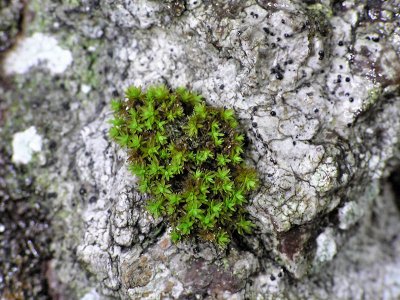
(316, 87)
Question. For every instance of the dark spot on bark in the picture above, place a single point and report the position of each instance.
(201, 274)
(82, 191)
(52, 195)
(278, 71)
(321, 54)
(375, 39)
(93, 199)
(338, 7)
(52, 145)
(295, 242)
(394, 180)
(66, 106)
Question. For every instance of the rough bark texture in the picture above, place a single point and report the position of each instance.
(316, 87)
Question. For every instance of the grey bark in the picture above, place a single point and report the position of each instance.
(316, 87)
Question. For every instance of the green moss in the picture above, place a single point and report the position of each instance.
(188, 157)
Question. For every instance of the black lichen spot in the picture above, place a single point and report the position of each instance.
(82, 191)
(66, 106)
(279, 76)
(321, 54)
(288, 62)
(254, 15)
(278, 71)
(375, 39)
(52, 145)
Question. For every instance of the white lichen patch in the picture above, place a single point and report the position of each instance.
(324, 177)
(326, 246)
(24, 144)
(91, 295)
(269, 284)
(39, 49)
(349, 214)
(85, 88)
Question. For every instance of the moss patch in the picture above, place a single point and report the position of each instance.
(188, 157)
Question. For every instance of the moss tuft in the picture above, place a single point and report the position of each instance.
(188, 157)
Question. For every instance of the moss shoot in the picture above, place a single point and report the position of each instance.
(188, 157)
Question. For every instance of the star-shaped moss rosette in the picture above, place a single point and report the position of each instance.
(188, 157)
